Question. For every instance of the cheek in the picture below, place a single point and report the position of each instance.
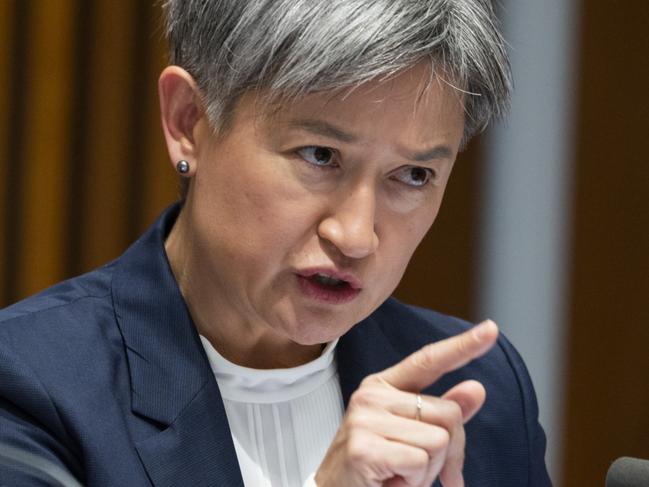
(405, 201)
(254, 209)
(408, 228)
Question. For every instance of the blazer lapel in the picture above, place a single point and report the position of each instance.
(196, 449)
(171, 381)
(362, 351)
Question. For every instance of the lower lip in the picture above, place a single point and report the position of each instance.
(327, 294)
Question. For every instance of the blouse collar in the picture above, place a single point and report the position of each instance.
(246, 384)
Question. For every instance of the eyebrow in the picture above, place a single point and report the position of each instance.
(439, 152)
(326, 129)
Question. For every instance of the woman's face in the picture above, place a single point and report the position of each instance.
(302, 222)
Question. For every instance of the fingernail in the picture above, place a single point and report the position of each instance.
(484, 329)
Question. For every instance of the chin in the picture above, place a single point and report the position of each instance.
(319, 331)
(309, 325)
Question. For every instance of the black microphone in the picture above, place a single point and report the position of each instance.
(628, 472)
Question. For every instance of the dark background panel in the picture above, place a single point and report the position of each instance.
(6, 34)
(607, 389)
(43, 174)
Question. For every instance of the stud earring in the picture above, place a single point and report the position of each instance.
(182, 167)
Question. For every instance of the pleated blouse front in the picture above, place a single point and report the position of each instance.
(282, 420)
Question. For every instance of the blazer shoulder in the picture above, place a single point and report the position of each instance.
(420, 324)
(94, 284)
(65, 324)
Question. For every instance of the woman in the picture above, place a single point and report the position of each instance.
(249, 337)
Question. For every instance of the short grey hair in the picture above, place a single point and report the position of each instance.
(289, 48)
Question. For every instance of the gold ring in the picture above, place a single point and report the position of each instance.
(418, 412)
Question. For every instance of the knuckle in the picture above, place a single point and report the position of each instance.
(369, 380)
(358, 420)
(440, 440)
(357, 450)
(455, 413)
(464, 345)
(369, 395)
(362, 398)
(424, 359)
(421, 459)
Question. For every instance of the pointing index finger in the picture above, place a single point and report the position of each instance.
(426, 365)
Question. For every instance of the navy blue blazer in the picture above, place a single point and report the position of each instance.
(105, 375)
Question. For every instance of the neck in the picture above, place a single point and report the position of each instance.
(244, 342)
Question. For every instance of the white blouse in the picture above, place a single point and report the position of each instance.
(282, 420)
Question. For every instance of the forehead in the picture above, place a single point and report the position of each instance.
(412, 101)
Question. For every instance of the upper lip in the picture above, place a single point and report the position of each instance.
(346, 276)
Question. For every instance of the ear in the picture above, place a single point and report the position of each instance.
(180, 110)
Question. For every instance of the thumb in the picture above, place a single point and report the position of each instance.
(470, 395)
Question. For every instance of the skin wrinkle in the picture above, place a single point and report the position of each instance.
(257, 212)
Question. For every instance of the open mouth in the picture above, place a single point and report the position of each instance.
(329, 281)
(328, 288)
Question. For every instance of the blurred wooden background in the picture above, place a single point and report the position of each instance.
(84, 171)
(83, 167)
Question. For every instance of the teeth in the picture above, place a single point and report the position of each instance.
(328, 280)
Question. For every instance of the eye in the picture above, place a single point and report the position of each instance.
(318, 156)
(415, 176)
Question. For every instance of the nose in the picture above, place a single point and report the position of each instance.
(351, 224)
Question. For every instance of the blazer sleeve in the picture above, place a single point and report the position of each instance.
(538, 475)
(29, 422)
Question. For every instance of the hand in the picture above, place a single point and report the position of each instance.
(380, 441)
